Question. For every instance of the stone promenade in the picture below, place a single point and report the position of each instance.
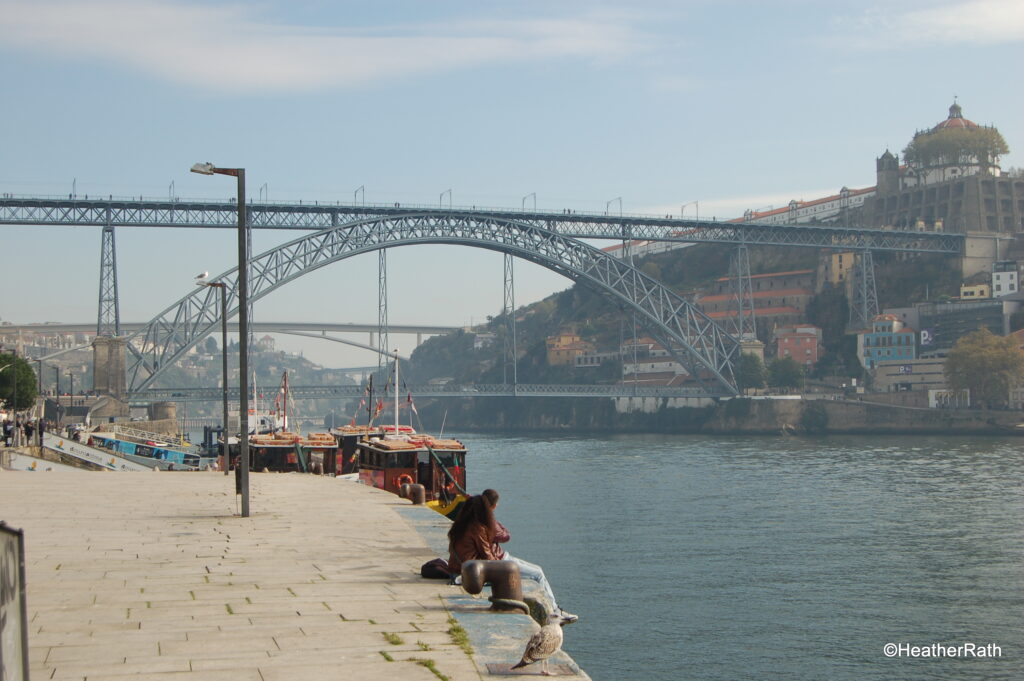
(155, 576)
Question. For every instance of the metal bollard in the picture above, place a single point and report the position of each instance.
(403, 491)
(503, 576)
(417, 494)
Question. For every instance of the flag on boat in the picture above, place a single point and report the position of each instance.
(379, 409)
(412, 405)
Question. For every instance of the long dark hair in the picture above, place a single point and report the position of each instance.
(475, 510)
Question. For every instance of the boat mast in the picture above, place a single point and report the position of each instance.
(396, 391)
(284, 400)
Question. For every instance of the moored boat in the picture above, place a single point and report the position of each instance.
(396, 455)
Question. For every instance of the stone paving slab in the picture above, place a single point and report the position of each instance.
(155, 577)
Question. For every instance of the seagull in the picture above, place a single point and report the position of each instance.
(544, 643)
(204, 275)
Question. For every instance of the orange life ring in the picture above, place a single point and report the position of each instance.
(404, 479)
(450, 488)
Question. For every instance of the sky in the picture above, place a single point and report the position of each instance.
(703, 107)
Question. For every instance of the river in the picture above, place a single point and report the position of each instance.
(720, 559)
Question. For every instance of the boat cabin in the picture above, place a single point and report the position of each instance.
(389, 461)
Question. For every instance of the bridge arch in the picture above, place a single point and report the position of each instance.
(692, 337)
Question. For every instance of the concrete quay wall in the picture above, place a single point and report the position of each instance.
(761, 416)
(155, 576)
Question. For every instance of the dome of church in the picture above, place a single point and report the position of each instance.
(956, 120)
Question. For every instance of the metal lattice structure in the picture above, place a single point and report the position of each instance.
(382, 309)
(864, 306)
(108, 318)
(692, 338)
(431, 390)
(509, 312)
(320, 216)
(745, 325)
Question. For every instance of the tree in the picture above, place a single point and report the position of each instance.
(17, 368)
(786, 373)
(956, 147)
(750, 372)
(985, 364)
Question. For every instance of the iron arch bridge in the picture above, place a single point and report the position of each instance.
(699, 344)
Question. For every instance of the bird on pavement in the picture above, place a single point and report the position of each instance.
(544, 643)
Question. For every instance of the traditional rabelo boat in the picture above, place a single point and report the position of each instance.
(396, 454)
(284, 451)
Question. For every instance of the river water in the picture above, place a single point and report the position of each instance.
(731, 558)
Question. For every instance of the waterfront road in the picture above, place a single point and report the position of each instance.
(155, 576)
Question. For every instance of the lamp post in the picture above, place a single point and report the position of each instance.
(243, 327)
(60, 415)
(224, 356)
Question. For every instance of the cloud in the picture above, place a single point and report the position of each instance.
(975, 22)
(229, 47)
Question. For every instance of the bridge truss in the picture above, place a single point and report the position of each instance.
(542, 237)
(693, 338)
(321, 216)
(320, 392)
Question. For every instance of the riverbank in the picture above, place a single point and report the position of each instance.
(155, 576)
(737, 416)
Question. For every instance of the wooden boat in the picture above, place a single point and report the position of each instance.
(282, 450)
(396, 454)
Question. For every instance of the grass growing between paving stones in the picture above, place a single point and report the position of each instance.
(393, 639)
(459, 636)
(422, 645)
(385, 655)
(429, 664)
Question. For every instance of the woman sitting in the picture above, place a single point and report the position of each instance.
(476, 535)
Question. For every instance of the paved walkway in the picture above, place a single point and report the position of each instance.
(155, 576)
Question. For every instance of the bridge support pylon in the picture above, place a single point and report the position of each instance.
(382, 309)
(108, 318)
(864, 305)
(746, 324)
(509, 310)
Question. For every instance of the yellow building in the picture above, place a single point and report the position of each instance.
(975, 291)
(839, 268)
(565, 347)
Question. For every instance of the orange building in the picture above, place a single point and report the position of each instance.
(565, 347)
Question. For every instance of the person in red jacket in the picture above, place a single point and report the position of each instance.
(477, 535)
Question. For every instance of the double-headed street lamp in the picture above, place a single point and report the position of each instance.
(243, 327)
(201, 281)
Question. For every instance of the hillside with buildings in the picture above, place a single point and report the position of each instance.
(949, 180)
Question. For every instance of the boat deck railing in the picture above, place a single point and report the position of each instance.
(145, 436)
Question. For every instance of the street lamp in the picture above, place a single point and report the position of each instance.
(60, 414)
(243, 327)
(696, 208)
(224, 355)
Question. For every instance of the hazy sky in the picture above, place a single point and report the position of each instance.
(733, 104)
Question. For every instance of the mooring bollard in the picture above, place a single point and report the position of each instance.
(504, 578)
(417, 494)
(403, 491)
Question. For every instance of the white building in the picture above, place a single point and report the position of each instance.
(1005, 278)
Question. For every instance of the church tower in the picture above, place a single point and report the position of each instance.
(887, 172)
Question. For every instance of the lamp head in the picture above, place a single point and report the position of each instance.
(203, 168)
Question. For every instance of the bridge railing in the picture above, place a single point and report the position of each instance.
(426, 391)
